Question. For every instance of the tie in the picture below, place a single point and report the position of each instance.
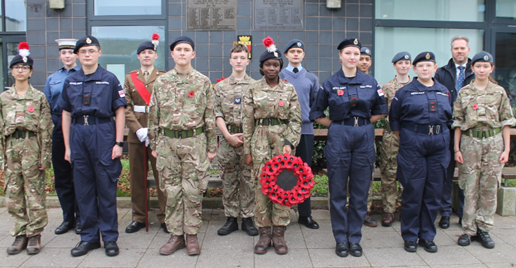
(460, 79)
(296, 70)
(146, 76)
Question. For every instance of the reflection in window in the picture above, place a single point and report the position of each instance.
(506, 8)
(440, 10)
(505, 71)
(119, 44)
(389, 41)
(15, 15)
(12, 51)
(127, 7)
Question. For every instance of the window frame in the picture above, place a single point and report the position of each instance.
(91, 14)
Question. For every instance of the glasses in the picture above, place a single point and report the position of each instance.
(23, 68)
(88, 51)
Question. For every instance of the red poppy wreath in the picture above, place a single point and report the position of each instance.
(286, 180)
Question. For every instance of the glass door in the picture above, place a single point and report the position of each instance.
(9, 45)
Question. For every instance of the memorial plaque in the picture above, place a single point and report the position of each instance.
(278, 14)
(211, 14)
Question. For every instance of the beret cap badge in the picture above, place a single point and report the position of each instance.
(427, 56)
(299, 44)
(24, 59)
(486, 58)
(355, 42)
(88, 40)
(406, 56)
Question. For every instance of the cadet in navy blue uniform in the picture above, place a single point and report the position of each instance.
(355, 100)
(94, 141)
(420, 116)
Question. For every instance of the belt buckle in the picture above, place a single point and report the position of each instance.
(483, 134)
(356, 121)
(430, 129)
(179, 134)
(270, 121)
(86, 120)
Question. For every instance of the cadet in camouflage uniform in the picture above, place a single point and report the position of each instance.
(482, 118)
(183, 139)
(272, 126)
(26, 143)
(238, 198)
(390, 142)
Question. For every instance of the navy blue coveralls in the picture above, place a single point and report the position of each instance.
(62, 169)
(350, 147)
(92, 101)
(423, 116)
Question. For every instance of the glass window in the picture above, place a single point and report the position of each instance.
(439, 10)
(505, 71)
(119, 44)
(127, 7)
(12, 51)
(389, 41)
(15, 15)
(506, 8)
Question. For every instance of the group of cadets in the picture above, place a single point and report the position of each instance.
(455, 113)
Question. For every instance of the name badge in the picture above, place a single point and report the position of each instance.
(238, 100)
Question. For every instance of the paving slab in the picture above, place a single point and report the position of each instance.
(12, 260)
(54, 257)
(392, 256)
(296, 257)
(152, 259)
(213, 258)
(448, 255)
(328, 258)
(127, 258)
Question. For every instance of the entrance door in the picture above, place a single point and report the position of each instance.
(9, 46)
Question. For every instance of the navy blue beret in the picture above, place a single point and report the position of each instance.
(482, 56)
(266, 55)
(86, 42)
(404, 55)
(145, 45)
(350, 41)
(182, 39)
(18, 59)
(294, 43)
(365, 51)
(424, 56)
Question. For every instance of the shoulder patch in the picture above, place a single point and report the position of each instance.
(380, 92)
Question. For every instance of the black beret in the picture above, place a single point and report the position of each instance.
(424, 56)
(18, 59)
(404, 55)
(365, 51)
(145, 45)
(270, 55)
(294, 43)
(482, 56)
(182, 39)
(350, 41)
(86, 42)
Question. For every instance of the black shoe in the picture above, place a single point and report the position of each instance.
(410, 246)
(485, 239)
(83, 248)
(308, 222)
(111, 248)
(341, 249)
(230, 226)
(134, 227)
(460, 221)
(464, 240)
(428, 245)
(444, 223)
(164, 226)
(248, 227)
(78, 228)
(64, 227)
(355, 249)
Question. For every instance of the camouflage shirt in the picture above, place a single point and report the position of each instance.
(182, 103)
(389, 90)
(28, 112)
(482, 109)
(229, 95)
(281, 102)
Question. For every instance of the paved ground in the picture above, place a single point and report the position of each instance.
(383, 247)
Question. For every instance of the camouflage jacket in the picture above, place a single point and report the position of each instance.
(482, 109)
(229, 95)
(281, 102)
(181, 104)
(389, 90)
(135, 120)
(28, 112)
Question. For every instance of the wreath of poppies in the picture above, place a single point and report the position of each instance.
(301, 190)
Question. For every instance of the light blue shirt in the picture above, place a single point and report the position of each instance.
(54, 87)
(291, 68)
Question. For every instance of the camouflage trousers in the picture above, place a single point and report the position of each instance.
(266, 143)
(479, 177)
(238, 198)
(388, 167)
(25, 187)
(183, 173)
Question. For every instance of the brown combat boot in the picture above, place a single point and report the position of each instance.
(174, 243)
(278, 239)
(34, 245)
(387, 219)
(192, 245)
(265, 240)
(19, 244)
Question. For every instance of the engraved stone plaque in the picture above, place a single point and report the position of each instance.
(211, 14)
(278, 14)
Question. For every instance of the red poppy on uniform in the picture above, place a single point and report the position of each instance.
(281, 103)
(475, 106)
(340, 92)
(30, 109)
(191, 94)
